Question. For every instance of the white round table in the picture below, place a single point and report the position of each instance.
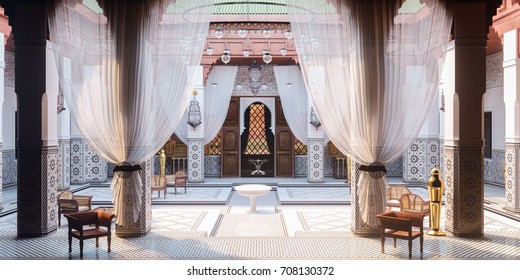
(252, 191)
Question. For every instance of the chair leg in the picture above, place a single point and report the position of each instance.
(59, 219)
(81, 248)
(97, 242)
(395, 243)
(109, 240)
(421, 240)
(175, 189)
(410, 248)
(382, 244)
(164, 194)
(70, 244)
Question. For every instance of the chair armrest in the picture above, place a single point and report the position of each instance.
(105, 219)
(68, 203)
(74, 223)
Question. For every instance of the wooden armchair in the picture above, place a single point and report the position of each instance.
(70, 203)
(401, 225)
(159, 184)
(86, 225)
(393, 194)
(170, 180)
(413, 203)
(180, 180)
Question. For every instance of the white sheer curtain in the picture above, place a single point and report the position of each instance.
(217, 93)
(294, 99)
(127, 68)
(372, 72)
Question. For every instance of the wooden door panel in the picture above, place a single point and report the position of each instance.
(284, 165)
(283, 145)
(230, 163)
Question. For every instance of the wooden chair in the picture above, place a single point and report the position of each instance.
(159, 185)
(170, 180)
(401, 225)
(70, 203)
(86, 225)
(413, 203)
(393, 194)
(180, 180)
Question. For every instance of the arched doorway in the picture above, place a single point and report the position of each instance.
(257, 142)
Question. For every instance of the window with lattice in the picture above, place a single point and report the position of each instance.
(257, 139)
(214, 145)
(299, 147)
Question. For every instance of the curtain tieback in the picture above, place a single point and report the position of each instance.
(126, 168)
(376, 169)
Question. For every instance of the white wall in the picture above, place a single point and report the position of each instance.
(8, 119)
(494, 103)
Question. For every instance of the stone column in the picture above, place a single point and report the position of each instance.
(37, 154)
(512, 128)
(464, 86)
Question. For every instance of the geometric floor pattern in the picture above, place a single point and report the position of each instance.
(176, 234)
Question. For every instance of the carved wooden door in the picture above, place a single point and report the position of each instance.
(230, 137)
(284, 145)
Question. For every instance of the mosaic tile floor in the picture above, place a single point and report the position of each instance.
(313, 232)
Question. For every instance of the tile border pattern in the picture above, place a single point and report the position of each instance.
(316, 160)
(9, 167)
(63, 163)
(512, 185)
(420, 158)
(464, 190)
(195, 162)
(494, 168)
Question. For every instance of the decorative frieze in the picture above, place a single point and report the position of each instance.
(195, 157)
(268, 81)
(512, 177)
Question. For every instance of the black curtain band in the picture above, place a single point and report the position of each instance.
(372, 168)
(127, 168)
